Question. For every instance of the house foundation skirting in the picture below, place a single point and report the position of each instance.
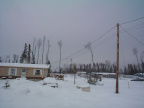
(35, 77)
(10, 77)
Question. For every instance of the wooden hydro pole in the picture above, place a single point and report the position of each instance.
(117, 65)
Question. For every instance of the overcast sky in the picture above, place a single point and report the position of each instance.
(75, 22)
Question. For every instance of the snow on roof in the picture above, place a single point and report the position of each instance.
(104, 73)
(80, 72)
(25, 65)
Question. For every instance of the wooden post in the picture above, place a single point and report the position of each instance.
(117, 65)
(74, 78)
(75, 71)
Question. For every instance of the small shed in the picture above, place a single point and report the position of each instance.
(18, 70)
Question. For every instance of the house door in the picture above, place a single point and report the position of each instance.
(23, 73)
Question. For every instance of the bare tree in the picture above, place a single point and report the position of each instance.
(47, 54)
(107, 66)
(1, 59)
(39, 43)
(34, 50)
(60, 46)
(71, 65)
(135, 51)
(7, 59)
(15, 58)
(142, 56)
(142, 63)
(34, 40)
(88, 46)
(34, 58)
(43, 42)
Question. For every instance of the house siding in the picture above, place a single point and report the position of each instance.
(30, 73)
(4, 72)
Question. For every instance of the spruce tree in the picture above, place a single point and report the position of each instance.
(23, 57)
(29, 54)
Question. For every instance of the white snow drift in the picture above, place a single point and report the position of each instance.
(24, 93)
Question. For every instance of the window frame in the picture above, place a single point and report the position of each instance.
(23, 69)
(36, 70)
(10, 72)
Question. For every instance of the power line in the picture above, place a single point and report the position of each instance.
(94, 41)
(103, 34)
(122, 52)
(132, 20)
(103, 41)
(84, 50)
(132, 36)
(135, 27)
(96, 45)
(108, 38)
(99, 44)
(84, 47)
(93, 47)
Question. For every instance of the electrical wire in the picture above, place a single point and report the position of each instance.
(132, 21)
(132, 36)
(135, 27)
(83, 50)
(93, 47)
(84, 47)
(103, 41)
(103, 34)
(122, 51)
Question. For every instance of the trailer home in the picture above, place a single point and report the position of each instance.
(18, 70)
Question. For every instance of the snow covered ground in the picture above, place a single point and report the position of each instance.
(33, 94)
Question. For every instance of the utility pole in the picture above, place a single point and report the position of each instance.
(117, 65)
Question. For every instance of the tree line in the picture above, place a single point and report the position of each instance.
(130, 69)
(31, 53)
(92, 67)
(7, 59)
(29, 56)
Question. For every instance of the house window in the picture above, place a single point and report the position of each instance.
(12, 71)
(37, 71)
(23, 69)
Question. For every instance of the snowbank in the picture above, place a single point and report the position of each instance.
(33, 94)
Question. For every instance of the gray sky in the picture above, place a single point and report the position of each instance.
(75, 22)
